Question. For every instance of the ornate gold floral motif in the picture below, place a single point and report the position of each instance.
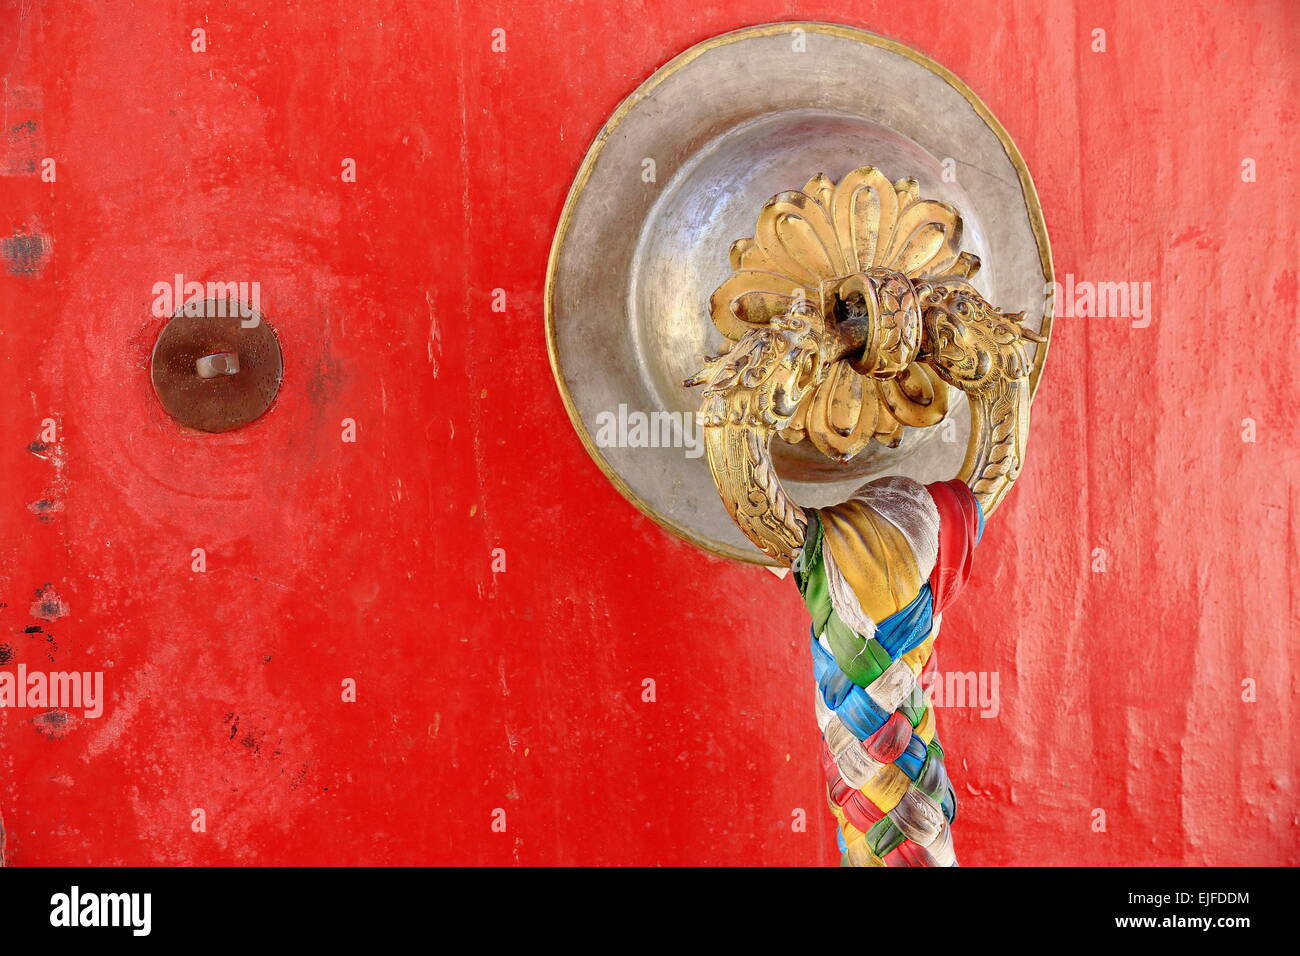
(842, 358)
(839, 244)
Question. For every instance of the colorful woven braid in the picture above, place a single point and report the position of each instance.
(876, 572)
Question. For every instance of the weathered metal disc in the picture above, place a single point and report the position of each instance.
(681, 169)
(224, 399)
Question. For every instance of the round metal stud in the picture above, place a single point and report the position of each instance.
(215, 369)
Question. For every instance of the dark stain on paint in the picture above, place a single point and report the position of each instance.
(249, 740)
(45, 509)
(6, 653)
(22, 145)
(48, 606)
(54, 724)
(36, 633)
(24, 254)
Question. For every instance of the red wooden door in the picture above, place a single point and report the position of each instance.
(519, 689)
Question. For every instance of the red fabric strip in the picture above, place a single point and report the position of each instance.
(958, 527)
(861, 812)
(888, 743)
(908, 853)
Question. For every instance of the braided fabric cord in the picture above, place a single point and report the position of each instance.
(876, 572)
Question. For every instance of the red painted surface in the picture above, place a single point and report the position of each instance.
(522, 690)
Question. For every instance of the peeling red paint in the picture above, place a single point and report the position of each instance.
(25, 254)
(48, 606)
(45, 509)
(55, 724)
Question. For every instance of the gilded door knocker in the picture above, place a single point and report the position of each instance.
(846, 312)
(848, 315)
(865, 388)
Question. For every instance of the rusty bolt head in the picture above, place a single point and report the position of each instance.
(217, 370)
(222, 363)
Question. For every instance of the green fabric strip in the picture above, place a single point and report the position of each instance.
(862, 661)
(884, 836)
(810, 576)
(932, 781)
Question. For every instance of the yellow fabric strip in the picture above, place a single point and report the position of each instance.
(859, 853)
(917, 656)
(874, 557)
(925, 728)
(857, 850)
(887, 787)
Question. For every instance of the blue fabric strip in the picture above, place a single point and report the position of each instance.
(949, 806)
(906, 629)
(850, 703)
(911, 760)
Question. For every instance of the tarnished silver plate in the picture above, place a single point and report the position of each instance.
(681, 170)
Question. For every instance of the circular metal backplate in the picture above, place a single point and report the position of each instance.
(681, 170)
(215, 371)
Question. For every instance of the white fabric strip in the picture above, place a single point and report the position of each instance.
(906, 505)
(892, 687)
(918, 817)
(838, 737)
(856, 766)
(941, 847)
(824, 713)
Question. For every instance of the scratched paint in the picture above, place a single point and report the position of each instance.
(518, 695)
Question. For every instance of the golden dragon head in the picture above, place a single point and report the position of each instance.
(761, 380)
(972, 345)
